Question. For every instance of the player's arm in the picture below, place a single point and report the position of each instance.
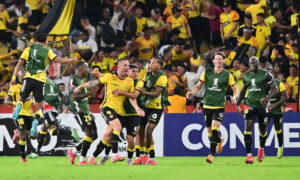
(64, 60)
(235, 94)
(9, 101)
(274, 90)
(235, 25)
(20, 64)
(241, 97)
(89, 84)
(62, 100)
(283, 99)
(158, 90)
(133, 102)
(188, 28)
(133, 95)
(190, 94)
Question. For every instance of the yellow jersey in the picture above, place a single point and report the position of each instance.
(195, 60)
(172, 85)
(190, 12)
(42, 76)
(178, 104)
(4, 16)
(168, 11)
(254, 9)
(262, 32)
(293, 83)
(14, 92)
(146, 47)
(269, 21)
(33, 4)
(141, 23)
(113, 82)
(155, 35)
(178, 56)
(179, 23)
(22, 20)
(228, 20)
(155, 103)
(294, 19)
(141, 73)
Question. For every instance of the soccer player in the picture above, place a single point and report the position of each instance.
(25, 119)
(112, 107)
(256, 83)
(79, 105)
(154, 98)
(54, 101)
(37, 58)
(216, 81)
(276, 113)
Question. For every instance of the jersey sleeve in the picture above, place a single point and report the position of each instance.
(51, 55)
(139, 85)
(269, 79)
(72, 85)
(105, 78)
(282, 87)
(231, 80)
(169, 19)
(25, 54)
(162, 81)
(202, 77)
(235, 16)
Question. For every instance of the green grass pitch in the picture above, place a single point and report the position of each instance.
(175, 168)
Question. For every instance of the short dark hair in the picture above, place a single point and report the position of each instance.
(263, 59)
(168, 67)
(61, 84)
(178, 41)
(120, 60)
(294, 66)
(24, 10)
(177, 91)
(133, 66)
(79, 64)
(280, 49)
(160, 62)
(85, 32)
(41, 37)
(187, 47)
(261, 15)
(220, 54)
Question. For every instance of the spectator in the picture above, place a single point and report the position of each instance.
(229, 20)
(4, 36)
(147, 46)
(253, 10)
(87, 26)
(247, 23)
(293, 82)
(87, 46)
(247, 45)
(140, 20)
(177, 52)
(178, 102)
(282, 60)
(169, 10)
(195, 59)
(263, 35)
(265, 64)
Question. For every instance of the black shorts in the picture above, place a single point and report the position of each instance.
(24, 122)
(130, 123)
(83, 120)
(277, 118)
(35, 86)
(260, 114)
(215, 38)
(151, 116)
(109, 114)
(50, 118)
(213, 114)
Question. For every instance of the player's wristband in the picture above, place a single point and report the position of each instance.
(14, 77)
(15, 103)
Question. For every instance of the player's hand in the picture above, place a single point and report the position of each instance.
(189, 95)
(264, 101)
(12, 82)
(95, 72)
(77, 90)
(74, 59)
(272, 106)
(140, 112)
(233, 100)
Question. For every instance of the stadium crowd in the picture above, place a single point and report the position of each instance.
(184, 34)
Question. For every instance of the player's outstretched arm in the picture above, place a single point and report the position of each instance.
(8, 101)
(241, 97)
(20, 64)
(89, 84)
(190, 94)
(118, 92)
(155, 94)
(64, 60)
(133, 102)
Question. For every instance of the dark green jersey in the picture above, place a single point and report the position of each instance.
(258, 85)
(216, 85)
(52, 94)
(80, 105)
(37, 59)
(276, 98)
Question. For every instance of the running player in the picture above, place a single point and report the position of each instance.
(112, 106)
(256, 83)
(155, 99)
(54, 100)
(37, 58)
(216, 81)
(276, 113)
(79, 105)
(25, 119)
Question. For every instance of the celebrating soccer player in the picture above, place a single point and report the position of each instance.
(257, 83)
(216, 81)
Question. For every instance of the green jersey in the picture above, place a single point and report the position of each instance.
(80, 105)
(37, 59)
(276, 98)
(52, 94)
(258, 86)
(216, 85)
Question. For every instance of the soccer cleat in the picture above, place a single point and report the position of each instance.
(260, 155)
(138, 161)
(249, 160)
(210, 159)
(16, 137)
(23, 160)
(103, 160)
(280, 152)
(129, 162)
(220, 146)
(71, 156)
(75, 135)
(151, 162)
(17, 111)
(33, 155)
(33, 129)
(92, 160)
(145, 159)
(82, 163)
(117, 158)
